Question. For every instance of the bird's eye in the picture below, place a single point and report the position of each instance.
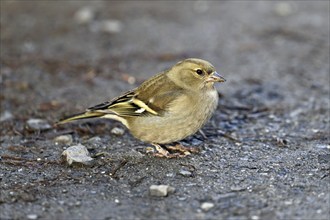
(199, 72)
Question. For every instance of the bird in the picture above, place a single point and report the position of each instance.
(166, 108)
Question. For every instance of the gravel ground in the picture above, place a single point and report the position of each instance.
(266, 155)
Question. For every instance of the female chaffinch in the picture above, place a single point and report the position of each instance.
(167, 107)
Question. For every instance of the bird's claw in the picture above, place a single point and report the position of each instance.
(179, 150)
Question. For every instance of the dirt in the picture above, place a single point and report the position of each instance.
(266, 152)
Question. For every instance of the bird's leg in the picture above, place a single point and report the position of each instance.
(161, 152)
(203, 134)
(178, 150)
(184, 151)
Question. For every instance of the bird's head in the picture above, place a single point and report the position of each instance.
(194, 74)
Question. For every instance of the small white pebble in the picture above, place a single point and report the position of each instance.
(32, 216)
(84, 15)
(206, 206)
(185, 173)
(323, 146)
(111, 26)
(160, 190)
(289, 202)
(38, 124)
(6, 115)
(283, 9)
(131, 80)
(63, 139)
(255, 217)
(170, 174)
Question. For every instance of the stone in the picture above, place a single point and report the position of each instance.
(84, 15)
(185, 173)
(283, 9)
(63, 139)
(38, 124)
(77, 154)
(6, 115)
(161, 190)
(206, 206)
(32, 216)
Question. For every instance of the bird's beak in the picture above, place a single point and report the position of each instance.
(215, 77)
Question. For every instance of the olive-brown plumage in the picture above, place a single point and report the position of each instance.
(167, 107)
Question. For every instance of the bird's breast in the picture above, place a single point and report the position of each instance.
(186, 115)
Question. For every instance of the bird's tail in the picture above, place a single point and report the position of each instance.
(83, 115)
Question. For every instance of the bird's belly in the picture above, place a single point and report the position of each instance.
(172, 126)
(163, 131)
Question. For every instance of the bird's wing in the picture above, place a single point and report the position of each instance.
(121, 105)
(151, 98)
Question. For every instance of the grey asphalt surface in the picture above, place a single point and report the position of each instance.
(266, 155)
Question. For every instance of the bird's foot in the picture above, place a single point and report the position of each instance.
(182, 149)
(176, 151)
